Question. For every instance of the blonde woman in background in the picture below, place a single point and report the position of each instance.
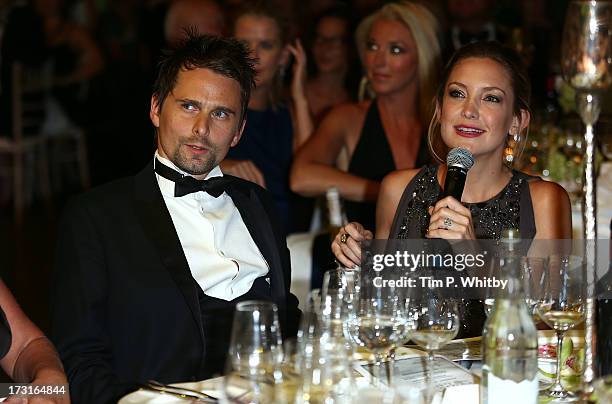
(399, 48)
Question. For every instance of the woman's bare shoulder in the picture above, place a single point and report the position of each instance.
(546, 191)
(392, 189)
(394, 184)
(349, 111)
(551, 209)
(346, 119)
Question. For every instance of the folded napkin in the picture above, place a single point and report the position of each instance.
(465, 394)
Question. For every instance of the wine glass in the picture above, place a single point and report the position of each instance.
(379, 323)
(338, 298)
(562, 306)
(534, 274)
(254, 363)
(435, 322)
(323, 358)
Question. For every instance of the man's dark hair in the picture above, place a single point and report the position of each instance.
(225, 56)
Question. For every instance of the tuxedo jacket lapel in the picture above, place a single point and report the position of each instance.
(257, 222)
(159, 229)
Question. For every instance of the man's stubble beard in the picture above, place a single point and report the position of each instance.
(195, 166)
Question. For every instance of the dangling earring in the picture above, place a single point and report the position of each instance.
(509, 150)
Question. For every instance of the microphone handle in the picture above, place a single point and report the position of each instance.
(454, 182)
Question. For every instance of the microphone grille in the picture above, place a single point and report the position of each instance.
(460, 157)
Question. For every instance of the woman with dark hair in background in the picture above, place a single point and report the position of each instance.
(75, 57)
(333, 62)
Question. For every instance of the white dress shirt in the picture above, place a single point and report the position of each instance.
(222, 256)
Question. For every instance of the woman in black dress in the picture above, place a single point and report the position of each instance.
(482, 103)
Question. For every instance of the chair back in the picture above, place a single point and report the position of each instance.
(28, 100)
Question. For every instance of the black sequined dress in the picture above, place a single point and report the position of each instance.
(510, 208)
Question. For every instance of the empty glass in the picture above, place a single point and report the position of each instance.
(323, 361)
(534, 274)
(253, 369)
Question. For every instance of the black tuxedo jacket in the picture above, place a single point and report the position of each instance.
(125, 307)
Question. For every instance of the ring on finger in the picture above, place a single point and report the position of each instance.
(344, 238)
(448, 223)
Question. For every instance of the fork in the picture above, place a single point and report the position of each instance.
(182, 392)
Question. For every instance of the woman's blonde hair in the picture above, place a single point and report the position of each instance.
(425, 31)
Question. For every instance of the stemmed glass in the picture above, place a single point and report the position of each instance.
(434, 322)
(339, 295)
(380, 322)
(534, 274)
(253, 369)
(562, 307)
(586, 61)
(324, 358)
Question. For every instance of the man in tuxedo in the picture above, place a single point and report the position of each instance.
(150, 268)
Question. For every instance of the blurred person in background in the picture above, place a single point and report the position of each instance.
(471, 21)
(23, 41)
(275, 127)
(333, 62)
(400, 52)
(75, 57)
(26, 355)
(206, 16)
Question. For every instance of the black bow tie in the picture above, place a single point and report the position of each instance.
(185, 184)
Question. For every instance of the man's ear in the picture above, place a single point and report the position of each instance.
(238, 134)
(154, 111)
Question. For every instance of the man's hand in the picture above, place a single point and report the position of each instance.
(346, 246)
(245, 169)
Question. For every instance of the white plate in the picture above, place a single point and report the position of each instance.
(210, 387)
